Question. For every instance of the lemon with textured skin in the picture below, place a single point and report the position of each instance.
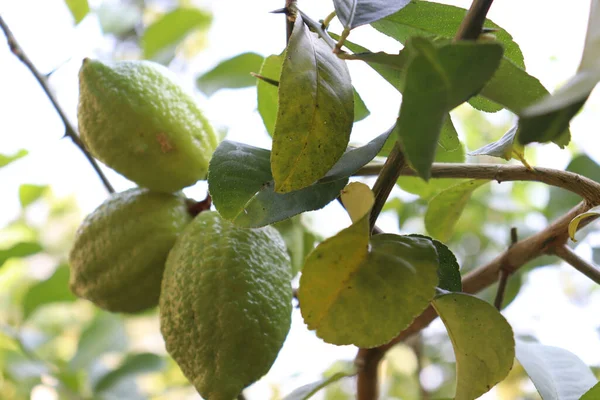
(225, 305)
(118, 257)
(134, 117)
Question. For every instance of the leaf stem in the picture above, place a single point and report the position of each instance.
(315, 26)
(581, 265)
(70, 131)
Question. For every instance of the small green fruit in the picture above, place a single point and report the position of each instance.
(225, 304)
(118, 258)
(137, 120)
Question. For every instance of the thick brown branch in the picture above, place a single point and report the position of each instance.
(69, 128)
(581, 265)
(386, 182)
(578, 184)
(471, 26)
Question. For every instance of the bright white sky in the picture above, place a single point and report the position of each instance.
(550, 33)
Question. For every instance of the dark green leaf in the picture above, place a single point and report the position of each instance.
(353, 13)
(307, 391)
(30, 193)
(449, 270)
(360, 108)
(445, 208)
(79, 9)
(104, 334)
(52, 290)
(556, 373)
(551, 126)
(241, 184)
(19, 250)
(171, 28)
(267, 93)
(5, 160)
(430, 19)
(315, 115)
(352, 283)
(482, 339)
(592, 394)
(231, 74)
(437, 80)
(133, 366)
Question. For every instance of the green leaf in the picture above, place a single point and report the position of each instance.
(592, 394)
(53, 290)
(267, 93)
(299, 240)
(7, 159)
(241, 184)
(363, 291)
(19, 250)
(449, 270)
(427, 189)
(574, 224)
(437, 80)
(360, 108)
(104, 334)
(132, 366)
(430, 19)
(551, 126)
(482, 339)
(171, 28)
(445, 208)
(513, 88)
(556, 373)
(307, 391)
(79, 9)
(315, 115)
(30, 193)
(232, 73)
(353, 13)
(547, 119)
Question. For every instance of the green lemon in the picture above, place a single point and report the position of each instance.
(137, 120)
(225, 304)
(120, 249)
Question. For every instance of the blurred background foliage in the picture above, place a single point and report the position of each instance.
(53, 346)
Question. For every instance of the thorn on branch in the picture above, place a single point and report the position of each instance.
(265, 79)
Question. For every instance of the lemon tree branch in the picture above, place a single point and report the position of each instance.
(70, 130)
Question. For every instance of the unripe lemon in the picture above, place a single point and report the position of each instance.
(137, 120)
(120, 249)
(225, 305)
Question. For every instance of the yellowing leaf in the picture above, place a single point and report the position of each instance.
(315, 115)
(482, 339)
(364, 291)
(574, 224)
(358, 200)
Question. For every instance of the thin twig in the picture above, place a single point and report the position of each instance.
(503, 274)
(578, 184)
(42, 80)
(581, 265)
(290, 18)
(472, 25)
(386, 182)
